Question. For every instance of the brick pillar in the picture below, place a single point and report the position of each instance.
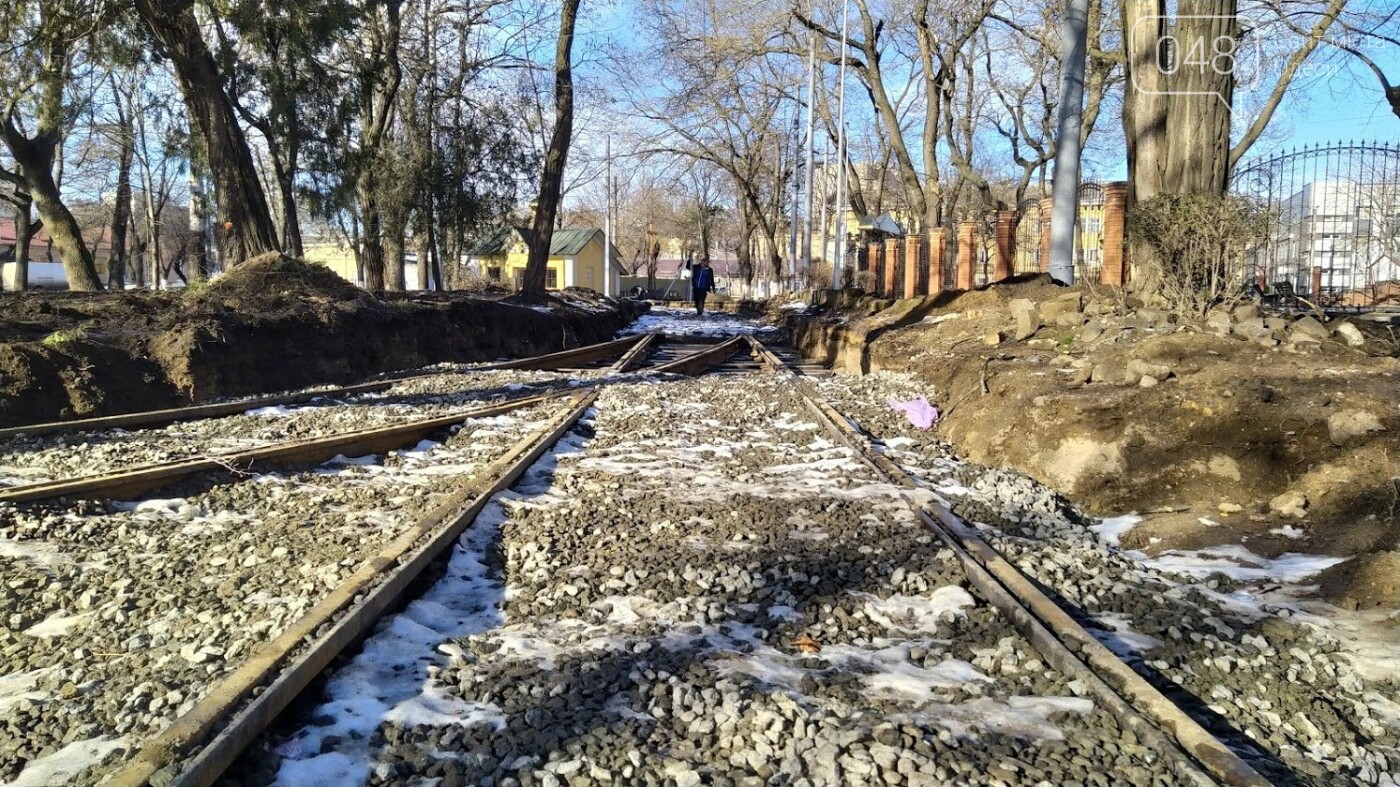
(888, 282)
(935, 261)
(1006, 245)
(1261, 277)
(874, 263)
(913, 248)
(1115, 226)
(967, 255)
(1316, 283)
(1047, 208)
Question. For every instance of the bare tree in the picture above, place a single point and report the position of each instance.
(556, 159)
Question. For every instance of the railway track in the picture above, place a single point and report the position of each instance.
(851, 479)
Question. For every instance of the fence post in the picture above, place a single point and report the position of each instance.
(888, 280)
(1047, 209)
(1006, 245)
(1316, 283)
(936, 246)
(1115, 224)
(874, 266)
(913, 248)
(967, 254)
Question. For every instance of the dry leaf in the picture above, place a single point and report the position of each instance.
(807, 645)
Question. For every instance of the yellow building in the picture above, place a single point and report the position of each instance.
(575, 259)
(340, 258)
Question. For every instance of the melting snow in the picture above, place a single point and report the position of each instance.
(1241, 564)
(64, 765)
(1113, 528)
(678, 322)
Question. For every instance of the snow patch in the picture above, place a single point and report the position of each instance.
(1113, 528)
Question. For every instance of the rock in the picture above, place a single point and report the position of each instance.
(1065, 304)
(1027, 318)
(1220, 322)
(1254, 331)
(1069, 320)
(1093, 330)
(1291, 503)
(1245, 311)
(1347, 426)
(1308, 326)
(1148, 381)
(1140, 368)
(1230, 508)
(1349, 334)
(1113, 375)
(1153, 318)
(993, 339)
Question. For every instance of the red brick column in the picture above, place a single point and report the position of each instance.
(1115, 227)
(1006, 245)
(1316, 284)
(874, 262)
(967, 255)
(1047, 209)
(913, 246)
(935, 261)
(888, 283)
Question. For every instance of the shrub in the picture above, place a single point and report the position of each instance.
(1197, 244)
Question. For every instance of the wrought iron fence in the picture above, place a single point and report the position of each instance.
(1335, 213)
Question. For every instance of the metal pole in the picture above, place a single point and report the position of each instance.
(608, 231)
(840, 255)
(796, 196)
(826, 169)
(811, 139)
(1074, 35)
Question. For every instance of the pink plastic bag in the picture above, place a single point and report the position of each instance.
(921, 414)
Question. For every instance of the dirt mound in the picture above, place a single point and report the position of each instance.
(274, 281)
(1363, 582)
(1274, 428)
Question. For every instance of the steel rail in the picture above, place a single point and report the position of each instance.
(1133, 701)
(197, 412)
(633, 356)
(278, 673)
(124, 484)
(699, 361)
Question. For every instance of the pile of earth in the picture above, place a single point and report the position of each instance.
(1276, 430)
(273, 323)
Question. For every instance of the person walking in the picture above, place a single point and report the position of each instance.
(702, 283)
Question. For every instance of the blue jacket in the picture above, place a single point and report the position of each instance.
(703, 279)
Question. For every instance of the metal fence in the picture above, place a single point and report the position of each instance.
(1335, 214)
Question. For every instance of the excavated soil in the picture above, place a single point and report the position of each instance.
(1276, 431)
(272, 324)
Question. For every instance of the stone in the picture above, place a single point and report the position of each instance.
(1253, 330)
(1291, 503)
(994, 339)
(1308, 326)
(1349, 334)
(1148, 381)
(1069, 320)
(1140, 368)
(1147, 317)
(1065, 304)
(1092, 330)
(1027, 318)
(1245, 311)
(1105, 373)
(1220, 322)
(1230, 508)
(1350, 426)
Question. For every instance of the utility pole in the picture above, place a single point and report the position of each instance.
(796, 197)
(811, 139)
(608, 221)
(840, 264)
(825, 208)
(1074, 37)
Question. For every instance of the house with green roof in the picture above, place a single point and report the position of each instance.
(575, 258)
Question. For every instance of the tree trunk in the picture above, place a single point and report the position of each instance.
(371, 242)
(247, 229)
(287, 192)
(395, 228)
(121, 210)
(197, 251)
(24, 239)
(552, 179)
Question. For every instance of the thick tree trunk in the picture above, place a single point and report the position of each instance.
(552, 179)
(371, 240)
(247, 229)
(395, 228)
